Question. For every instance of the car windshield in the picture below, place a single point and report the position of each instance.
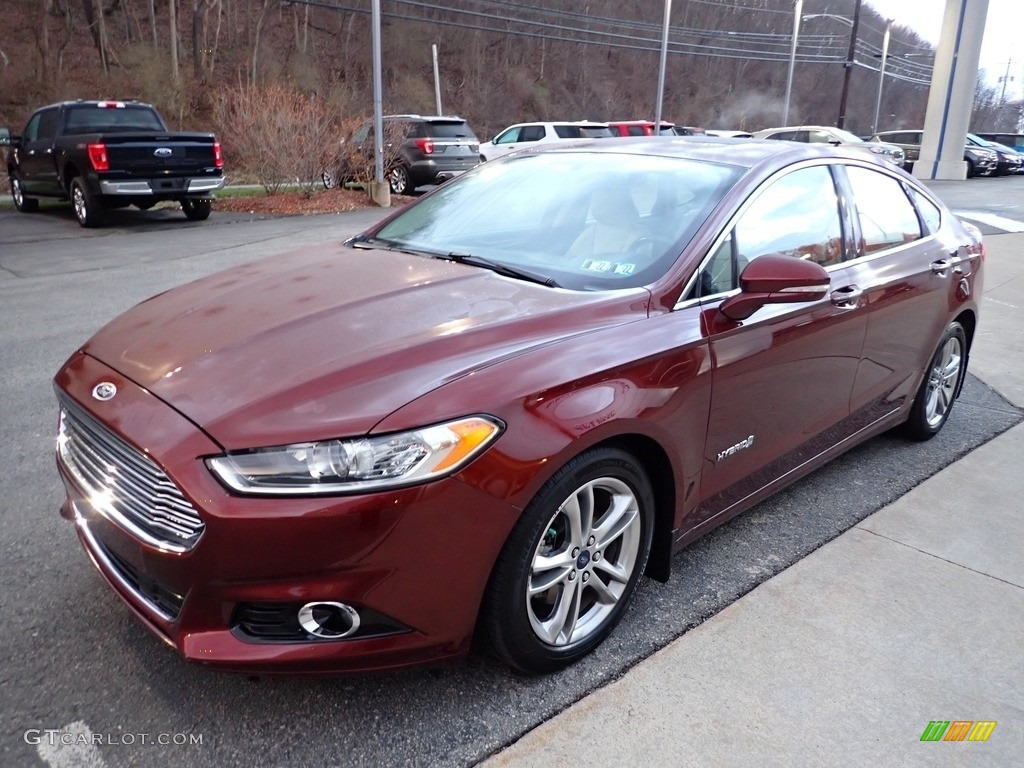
(621, 222)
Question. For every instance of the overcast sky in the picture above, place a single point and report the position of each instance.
(1003, 32)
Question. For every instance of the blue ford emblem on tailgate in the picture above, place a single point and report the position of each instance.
(163, 151)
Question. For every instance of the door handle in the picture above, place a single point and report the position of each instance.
(847, 297)
(941, 267)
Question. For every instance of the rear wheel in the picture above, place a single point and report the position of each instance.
(571, 564)
(87, 207)
(21, 202)
(329, 179)
(197, 209)
(941, 385)
(970, 169)
(398, 179)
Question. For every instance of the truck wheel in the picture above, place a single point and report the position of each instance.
(87, 207)
(197, 209)
(22, 203)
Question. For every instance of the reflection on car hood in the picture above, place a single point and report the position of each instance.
(327, 342)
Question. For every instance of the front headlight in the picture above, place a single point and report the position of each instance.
(368, 463)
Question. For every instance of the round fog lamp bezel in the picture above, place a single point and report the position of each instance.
(309, 623)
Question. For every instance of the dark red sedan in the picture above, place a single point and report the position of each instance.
(506, 403)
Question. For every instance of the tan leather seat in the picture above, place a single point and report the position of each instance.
(614, 226)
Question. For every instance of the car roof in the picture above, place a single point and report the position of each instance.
(744, 153)
(95, 102)
(664, 123)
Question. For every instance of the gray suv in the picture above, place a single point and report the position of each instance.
(980, 161)
(430, 150)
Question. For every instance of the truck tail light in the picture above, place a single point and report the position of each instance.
(98, 157)
(427, 145)
(218, 158)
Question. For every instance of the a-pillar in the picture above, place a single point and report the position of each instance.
(951, 98)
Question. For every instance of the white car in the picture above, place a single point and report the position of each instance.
(824, 134)
(523, 135)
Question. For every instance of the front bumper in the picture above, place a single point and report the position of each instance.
(419, 557)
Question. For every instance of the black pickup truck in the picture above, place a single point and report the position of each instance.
(111, 154)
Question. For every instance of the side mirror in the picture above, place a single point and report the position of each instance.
(776, 279)
(6, 138)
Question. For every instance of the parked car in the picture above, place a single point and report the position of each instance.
(729, 134)
(420, 150)
(641, 128)
(490, 414)
(824, 134)
(525, 135)
(1009, 161)
(111, 154)
(687, 130)
(1013, 140)
(981, 161)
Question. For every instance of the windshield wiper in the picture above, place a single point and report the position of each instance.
(461, 258)
(502, 269)
(372, 243)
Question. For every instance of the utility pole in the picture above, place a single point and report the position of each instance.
(1005, 78)
(849, 66)
(437, 81)
(661, 68)
(798, 10)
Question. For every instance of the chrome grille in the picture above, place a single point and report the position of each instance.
(125, 485)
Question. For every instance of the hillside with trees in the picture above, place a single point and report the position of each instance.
(213, 64)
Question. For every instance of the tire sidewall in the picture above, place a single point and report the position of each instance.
(512, 635)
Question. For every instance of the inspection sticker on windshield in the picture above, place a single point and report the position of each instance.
(594, 265)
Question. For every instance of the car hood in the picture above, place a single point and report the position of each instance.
(327, 342)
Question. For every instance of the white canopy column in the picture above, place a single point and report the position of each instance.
(951, 97)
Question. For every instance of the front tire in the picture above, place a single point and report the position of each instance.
(87, 207)
(329, 180)
(941, 385)
(571, 564)
(22, 203)
(197, 209)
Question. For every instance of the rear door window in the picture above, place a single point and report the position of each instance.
(887, 217)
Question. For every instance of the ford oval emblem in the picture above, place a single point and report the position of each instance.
(104, 391)
(163, 151)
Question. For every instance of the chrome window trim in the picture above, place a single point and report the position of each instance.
(682, 302)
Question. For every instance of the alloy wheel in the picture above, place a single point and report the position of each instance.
(943, 379)
(584, 561)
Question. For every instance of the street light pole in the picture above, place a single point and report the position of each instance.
(849, 66)
(661, 68)
(378, 97)
(798, 9)
(881, 74)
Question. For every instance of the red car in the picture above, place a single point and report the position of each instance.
(641, 128)
(500, 407)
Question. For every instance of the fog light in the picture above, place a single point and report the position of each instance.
(329, 620)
